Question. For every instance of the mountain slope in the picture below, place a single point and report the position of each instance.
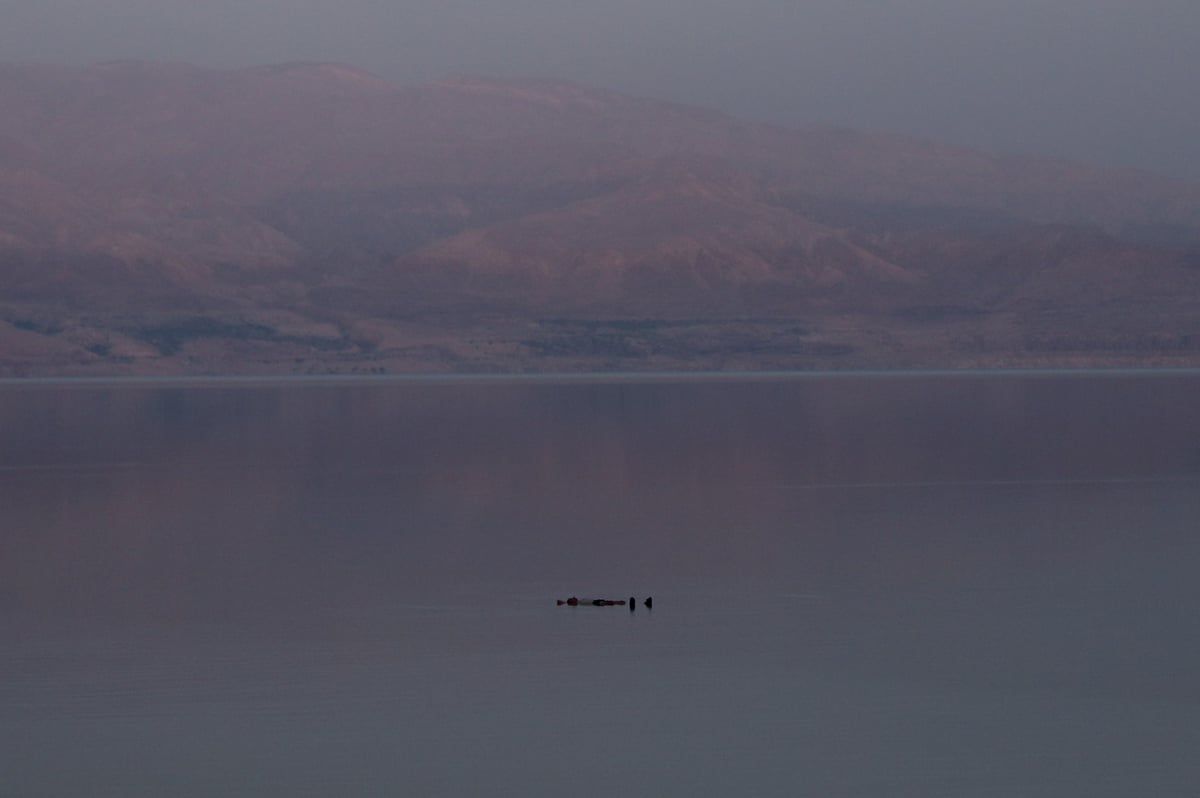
(166, 218)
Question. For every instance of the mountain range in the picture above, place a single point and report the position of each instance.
(314, 218)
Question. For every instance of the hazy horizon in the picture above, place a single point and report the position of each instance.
(1092, 80)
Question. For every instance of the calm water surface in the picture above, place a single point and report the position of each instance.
(977, 585)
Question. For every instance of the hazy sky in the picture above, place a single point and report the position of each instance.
(1105, 80)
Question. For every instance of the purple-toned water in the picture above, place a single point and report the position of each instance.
(906, 585)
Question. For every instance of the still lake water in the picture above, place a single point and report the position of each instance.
(921, 585)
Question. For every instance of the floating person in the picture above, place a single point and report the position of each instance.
(578, 602)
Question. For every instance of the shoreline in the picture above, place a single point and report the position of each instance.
(591, 377)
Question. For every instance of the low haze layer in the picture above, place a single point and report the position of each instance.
(1110, 81)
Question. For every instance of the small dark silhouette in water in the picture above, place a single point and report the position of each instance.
(578, 602)
(574, 601)
(605, 603)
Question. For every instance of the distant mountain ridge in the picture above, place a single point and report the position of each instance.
(164, 218)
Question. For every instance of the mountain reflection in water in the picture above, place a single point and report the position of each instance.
(930, 585)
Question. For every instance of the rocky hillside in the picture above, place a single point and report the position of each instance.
(160, 218)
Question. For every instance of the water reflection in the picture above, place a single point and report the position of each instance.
(171, 499)
(864, 585)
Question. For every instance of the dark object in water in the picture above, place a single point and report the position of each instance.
(578, 602)
(632, 604)
(649, 602)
